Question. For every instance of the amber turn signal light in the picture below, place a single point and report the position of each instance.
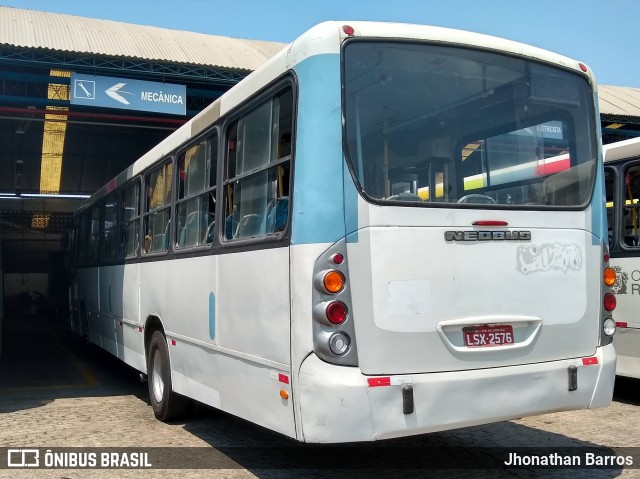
(609, 276)
(333, 281)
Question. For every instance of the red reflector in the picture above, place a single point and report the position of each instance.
(589, 361)
(283, 379)
(336, 312)
(621, 324)
(375, 382)
(337, 258)
(140, 329)
(173, 342)
(583, 67)
(348, 29)
(609, 302)
(606, 257)
(489, 223)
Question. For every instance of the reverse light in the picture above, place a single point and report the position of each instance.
(333, 281)
(609, 276)
(609, 302)
(336, 312)
(339, 343)
(609, 327)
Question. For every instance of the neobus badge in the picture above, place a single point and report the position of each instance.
(487, 235)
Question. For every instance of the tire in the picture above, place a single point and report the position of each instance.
(167, 405)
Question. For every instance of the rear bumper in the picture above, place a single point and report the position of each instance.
(627, 343)
(337, 403)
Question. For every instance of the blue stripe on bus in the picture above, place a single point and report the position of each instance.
(350, 205)
(212, 315)
(599, 226)
(318, 205)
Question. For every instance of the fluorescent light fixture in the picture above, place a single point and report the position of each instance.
(12, 196)
(46, 195)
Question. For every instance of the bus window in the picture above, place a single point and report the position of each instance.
(130, 220)
(196, 201)
(94, 237)
(258, 169)
(609, 181)
(631, 234)
(109, 229)
(158, 209)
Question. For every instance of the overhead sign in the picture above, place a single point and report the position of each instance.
(551, 129)
(127, 94)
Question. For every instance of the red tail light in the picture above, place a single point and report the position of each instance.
(336, 312)
(609, 302)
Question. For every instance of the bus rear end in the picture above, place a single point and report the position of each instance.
(469, 285)
(622, 180)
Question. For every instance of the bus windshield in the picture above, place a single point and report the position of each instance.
(438, 125)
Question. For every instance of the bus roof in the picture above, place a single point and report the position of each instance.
(621, 150)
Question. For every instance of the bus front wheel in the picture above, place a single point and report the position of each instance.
(167, 404)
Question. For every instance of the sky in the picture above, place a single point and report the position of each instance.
(601, 33)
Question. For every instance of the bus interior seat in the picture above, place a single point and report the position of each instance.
(230, 229)
(250, 225)
(277, 217)
(160, 241)
(210, 232)
(282, 213)
(197, 222)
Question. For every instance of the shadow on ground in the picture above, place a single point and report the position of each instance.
(627, 391)
(42, 361)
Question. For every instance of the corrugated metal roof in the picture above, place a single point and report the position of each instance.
(619, 100)
(69, 33)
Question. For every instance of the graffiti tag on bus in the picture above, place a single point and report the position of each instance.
(546, 257)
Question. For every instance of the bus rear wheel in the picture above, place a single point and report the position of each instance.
(167, 405)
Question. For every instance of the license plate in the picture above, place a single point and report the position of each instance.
(484, 336)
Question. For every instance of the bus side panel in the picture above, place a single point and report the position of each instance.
(87, 281)
(227, 322)
(110, 305)
(252, 304)
(130, 339)
(627, 337)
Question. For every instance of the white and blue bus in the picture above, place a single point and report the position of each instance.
(622, 179)
(385, 230)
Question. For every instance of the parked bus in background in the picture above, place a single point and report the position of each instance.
(622, 178)
(385, 230)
